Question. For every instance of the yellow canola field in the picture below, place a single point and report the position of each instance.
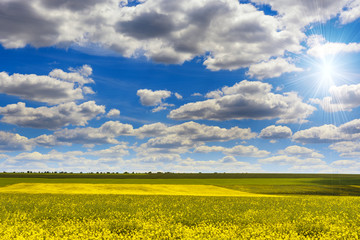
(127, 189)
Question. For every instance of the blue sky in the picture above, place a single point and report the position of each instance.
(180, 86)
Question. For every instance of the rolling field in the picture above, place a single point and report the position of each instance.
(216, 208)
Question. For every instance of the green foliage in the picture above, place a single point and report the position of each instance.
(305, 189)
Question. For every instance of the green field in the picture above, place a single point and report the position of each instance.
(33, 206)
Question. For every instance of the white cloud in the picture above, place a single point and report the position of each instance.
(45, 140)
(152, 98)
(247, 100)
(298, 14)
(183, 137)
(272, 68)
(162, 106)
(113, 113)
(329, 133)
(320, 48)
(249, 151)
(88, 90)
(14, 142)
(153, 161)
(77, 161)
(324, 134)
(351, 12)
(275, 132)
(313, 168)
(79, 75)
(53, 156)
(151, 130)
(228, 159)
(214, 94)
(343, 98)
(117, 151)
(232, 34)
(51, 117)
(105, 134)
(177, 138)
(72, 161)
(226, 164)
(346, 164)
(236, 35)
(195, 131)
(167, 144)
(302, 152)
(57, 87)
(291, 160)
(178, 96)
(352, 127)
(347, 148)
(239, 150)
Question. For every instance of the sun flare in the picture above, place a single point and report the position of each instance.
(327, 72)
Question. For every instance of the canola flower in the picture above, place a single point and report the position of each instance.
(114, 216)
(132, 189)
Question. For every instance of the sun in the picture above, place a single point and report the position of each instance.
(327, 72)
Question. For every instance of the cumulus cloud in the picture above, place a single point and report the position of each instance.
(302, 13)
(350, 165)
(57, 87)
(324, 134)
(113, 113)
(72, 161)
(105, 134)
(180, 138)
(162, 106)
(53, 156)
(321, 167)
(164, 32)
(46, 141)
(347, 148)
(151, 130)
(79, 75)
(14, 142)
(342, 98)
(319, 47)
(329, 133)
(226, 164)
(167, 144)
(195, 131)
(171, 32)
(77, 161)
(162, 138)
(246, 100)
(351, 12)
(22, 24)
(239, 150)
(292, 160)
(272, 68)
(51, 117)
(303, 152)
(154, 98)
(275, 132)
(178, 96)
(117, 151)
